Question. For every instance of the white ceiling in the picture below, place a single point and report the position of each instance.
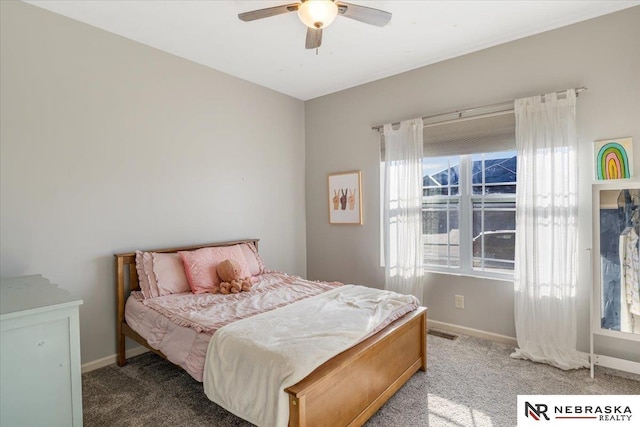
(271, 53)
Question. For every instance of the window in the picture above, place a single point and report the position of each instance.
(440, 211)
(469, 213)
(469, 186)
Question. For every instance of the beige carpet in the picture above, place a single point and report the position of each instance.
(469, 382)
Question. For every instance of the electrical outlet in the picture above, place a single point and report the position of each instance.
(459, 301)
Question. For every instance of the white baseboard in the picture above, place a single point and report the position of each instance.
(109, 360)
(449, 327)
(615, 363)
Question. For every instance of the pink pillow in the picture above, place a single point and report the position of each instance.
(170, 275)
(254, 261)
(143, 280)
(146, 276)
(200, 266)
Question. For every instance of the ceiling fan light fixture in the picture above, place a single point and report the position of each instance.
(318, 13)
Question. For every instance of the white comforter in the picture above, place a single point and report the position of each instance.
(253, 360)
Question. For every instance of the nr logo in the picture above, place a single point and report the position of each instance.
(536, 411)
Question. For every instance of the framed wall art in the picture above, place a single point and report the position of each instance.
(345, 198)
(613, 158)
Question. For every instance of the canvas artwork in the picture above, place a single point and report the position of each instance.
(345, 198)
(613, 158)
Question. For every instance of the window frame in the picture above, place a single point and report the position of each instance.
(465, 222)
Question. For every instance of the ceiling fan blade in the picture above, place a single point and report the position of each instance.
(270, 11)
(314, 38)
(368, 15)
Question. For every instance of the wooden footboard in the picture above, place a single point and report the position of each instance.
(348, 389)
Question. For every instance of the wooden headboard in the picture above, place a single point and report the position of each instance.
(126, 267)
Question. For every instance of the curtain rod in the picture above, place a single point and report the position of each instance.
(379, 128)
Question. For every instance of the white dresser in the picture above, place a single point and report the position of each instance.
(41, 383)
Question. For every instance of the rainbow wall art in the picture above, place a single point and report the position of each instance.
(614, 158)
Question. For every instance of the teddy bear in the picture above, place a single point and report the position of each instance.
(229, 271)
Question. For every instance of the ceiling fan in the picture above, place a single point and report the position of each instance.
(318, 14)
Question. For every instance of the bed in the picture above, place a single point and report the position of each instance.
(345, 390)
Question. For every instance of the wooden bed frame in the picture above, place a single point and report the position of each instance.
(344, 391)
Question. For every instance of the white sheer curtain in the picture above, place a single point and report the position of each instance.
(546, 231)
(403, 207)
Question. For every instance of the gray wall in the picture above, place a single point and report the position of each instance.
(602, 54)
(108, 145)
